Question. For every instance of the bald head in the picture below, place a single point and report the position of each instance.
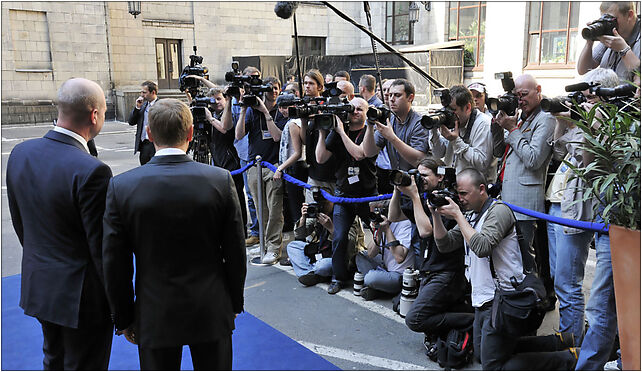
(347, 88)
(358, 117)
(526, 81)
(77, 98)
(529, 93)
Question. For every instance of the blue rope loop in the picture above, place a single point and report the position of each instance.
(589, 226)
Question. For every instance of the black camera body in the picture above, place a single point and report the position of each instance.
(321, 110)
(376, 217)
(448, 189)
(507, 102)
(444, 116)
(403, 178)
(315, 206)
(600, 27)
(557, 104)
(253, 86)
(195, 67)
(380, 114)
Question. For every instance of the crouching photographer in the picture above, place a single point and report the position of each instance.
(494, 267)
(387, 257)
(311, 251)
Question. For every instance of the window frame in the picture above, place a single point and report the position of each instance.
(539, 31)
(478, 66)
(411, 34)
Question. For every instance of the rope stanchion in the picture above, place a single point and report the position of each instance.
(241, 170)
(590, 226)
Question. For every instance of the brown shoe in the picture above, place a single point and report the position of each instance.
(252, 240)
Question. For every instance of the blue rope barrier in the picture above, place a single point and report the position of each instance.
(241, 170)
(589, 226)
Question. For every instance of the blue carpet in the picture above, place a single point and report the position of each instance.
(256, 345)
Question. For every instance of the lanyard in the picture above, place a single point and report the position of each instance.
(506, 153)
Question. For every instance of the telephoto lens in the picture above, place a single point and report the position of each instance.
(400, 178)
(380, 114)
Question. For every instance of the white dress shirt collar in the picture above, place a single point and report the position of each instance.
(169, 151)
(73, 135)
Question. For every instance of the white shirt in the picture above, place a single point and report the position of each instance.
(143, 135)
(73, 135)
(169, 151)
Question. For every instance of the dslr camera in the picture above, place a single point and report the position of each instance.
(253, 86)
(380, 114)
(559, 104)
(313, 208)
(444, 116)
(448, 188)
(403, 178)
(507, 102)
(375, 217)
(600, 27)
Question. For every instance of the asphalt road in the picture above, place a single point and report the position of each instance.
(351, 333)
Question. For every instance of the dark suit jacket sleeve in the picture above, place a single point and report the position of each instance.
(91, 202)
(233, 246)
(16, 218)
(134, 116)
(118, 264)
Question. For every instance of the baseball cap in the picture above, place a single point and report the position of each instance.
(480, 87)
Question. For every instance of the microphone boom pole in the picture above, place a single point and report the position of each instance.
(298, 64)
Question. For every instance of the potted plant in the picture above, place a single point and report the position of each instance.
(612, 145)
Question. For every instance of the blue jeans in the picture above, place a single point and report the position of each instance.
(567, 255)
(301, 263)
(343, 218)
(375, 276)
(600, 311)
(254, 227)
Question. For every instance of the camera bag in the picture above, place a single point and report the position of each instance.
(456, 350)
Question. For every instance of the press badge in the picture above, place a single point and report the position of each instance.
(467, 260)
(266, 135)
(353, 175)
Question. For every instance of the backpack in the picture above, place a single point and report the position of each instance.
(456, 351)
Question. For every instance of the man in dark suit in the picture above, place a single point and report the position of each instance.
(139, 118)
(183, 222)
(56, 193)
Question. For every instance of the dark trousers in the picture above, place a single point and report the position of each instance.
(343, 218)
(83, 348)
(295, 194)
(240, 186)
(500, 351)
(535, 233)
(383, 181)
(439, 306)
(147, 151)
(215, 356)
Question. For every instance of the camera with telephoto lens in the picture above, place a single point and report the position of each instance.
(448, 188)
(253, 86)
(600, 27)
(194, 68)
(563, 104)
(507, 102)
(403, 178)
(444, 116)
(321, 111)
(380, 114)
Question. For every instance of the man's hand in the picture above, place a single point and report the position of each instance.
(385, 224)
(616, 43)
(208, 115)
(139, 102)
(410, 190)
(338, 125)
(507, 122)
(304, 209)
(451, 210)
(448, 134)
(386, 130)
(129, 333)
(261, 107)
(325, 221)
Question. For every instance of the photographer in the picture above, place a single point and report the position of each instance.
(480, 95)
(618, 50)
(387, 257)
(493, 258)
(356, 178)
(311, 251)
(403, 137)
(441, 302)
(469, 144)
(264, 124)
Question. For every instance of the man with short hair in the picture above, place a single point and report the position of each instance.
(190, 257)
(56, 193)
(347, 88)
(356, 178)
(469, 144)
(367, 85)
(404, 138)
(342, 76)
(619, 52)
(138, 117)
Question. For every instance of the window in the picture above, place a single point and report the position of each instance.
(310, 46)
(398, 26)
(467, 22)
(552, 30)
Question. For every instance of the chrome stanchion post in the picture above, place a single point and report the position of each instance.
(259, 212)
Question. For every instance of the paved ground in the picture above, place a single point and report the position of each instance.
(344, 329)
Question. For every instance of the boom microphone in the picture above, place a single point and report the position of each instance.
(284, 9)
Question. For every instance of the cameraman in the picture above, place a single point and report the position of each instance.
(356, 178)
(404, 138)
(264, 124)
(441, 302)
(493, 258)
(619, 52)
(387, 257)
(469, 144)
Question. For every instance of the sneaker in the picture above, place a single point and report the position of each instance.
(270, 258)
(567, 339)
(310, 279)
(252, 240)
(369, 294)
(611, 366)
(254, 251)
(285, 261)
(335, 287)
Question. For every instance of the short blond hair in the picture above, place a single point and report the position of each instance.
(170, 121)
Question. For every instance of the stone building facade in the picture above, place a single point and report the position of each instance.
(45, 43)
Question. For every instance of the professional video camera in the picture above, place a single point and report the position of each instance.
(322, 109)
(200, 145)
(444, 116)
(600, 27)
(619, 96)
(253, 86)
(562, 103)
(448, 188)
(507, 102)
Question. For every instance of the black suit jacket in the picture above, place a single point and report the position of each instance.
(136, 118)
(182, 221)
(56, 193)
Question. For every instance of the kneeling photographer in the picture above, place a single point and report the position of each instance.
(388, 255)
(356, 177)
(493, 263)
(443, 301)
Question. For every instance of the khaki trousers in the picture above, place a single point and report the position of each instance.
(272, 206)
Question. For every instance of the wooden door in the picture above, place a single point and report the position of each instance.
(168, 63)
